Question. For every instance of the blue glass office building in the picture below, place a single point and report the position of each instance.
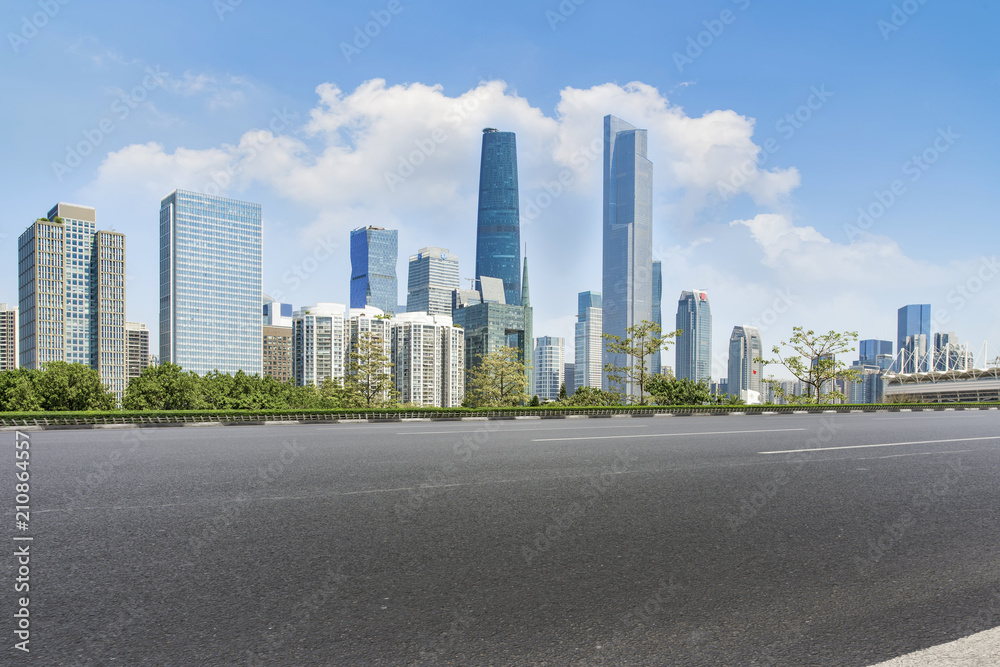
(657, 364)
(915, 321)
(210, 283)
(694, 344)
(871, 349)
(628, 234)
(373, 268)
(498, 229)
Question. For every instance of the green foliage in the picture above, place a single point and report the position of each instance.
(497, 381)
(562, 392)
(640, 343)
(668, 390)
(588, 396)
(17, 391)
(814, 364)
(535, 402)
(164, 387)
(65, 386)
(369, 371)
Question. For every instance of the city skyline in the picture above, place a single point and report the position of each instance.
(391, 138)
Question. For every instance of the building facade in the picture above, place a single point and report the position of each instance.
(428, 357)
(374, 251)
(71, 294)
(431, 279)
(871, 349)
(657, 361)
(8, 337)
(914, 323)
(276, 352)
(498, 225)
(589, 345)
(950, 354)
(138, 348)
(550, 360)
(693, 345)
(627, 235)
(745, 373)
(319, 350)
(210, 283)
(276, 314)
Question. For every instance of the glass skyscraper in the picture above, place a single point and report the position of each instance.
(373, 268)
(210, 283)
(628, 234)
(657, 364)
(914, 323)
(589, 369)
(498, 229)
(871, 349)
(431, 280)
(745, 373)
(694, 343)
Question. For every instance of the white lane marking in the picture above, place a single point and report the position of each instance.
(979, 649)
(522, 430)
(885, 444)
(896, 456)
(669, 435)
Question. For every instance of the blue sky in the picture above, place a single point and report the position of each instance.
(265, 103)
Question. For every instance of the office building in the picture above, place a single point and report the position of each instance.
(276, 352)
(138, 348)
(431, 280)
(589, 345)
(8, 337)
(871, 349)
(550, 360)
(373, 268)
(319, 344)
(745, 371)
(71, 294)
(628, 236)
(657, 363)
(569, 373)
(693, 344)
(428, 357)
(950, 354)
(276, 314)
(498, 226)
(914, 322)
(210, 283)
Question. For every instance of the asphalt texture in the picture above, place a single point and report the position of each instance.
(635, 541)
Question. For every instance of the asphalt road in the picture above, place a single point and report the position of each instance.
(652, 541)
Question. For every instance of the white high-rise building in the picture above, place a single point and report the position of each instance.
(589, 367)
(550, 361)
(8, 337)
(319, 350)
(71, 294)
(431, 280)
(745, 373)
(428, 356)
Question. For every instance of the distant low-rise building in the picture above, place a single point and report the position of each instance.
(8, 337)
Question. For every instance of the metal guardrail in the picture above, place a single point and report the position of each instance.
(44, 420)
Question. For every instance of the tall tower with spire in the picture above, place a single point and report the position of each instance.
(498, 228)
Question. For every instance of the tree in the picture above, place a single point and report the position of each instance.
(164, 387)
(72, 387)
(562, 392)
(18, 392)
(497, 381)
(589, 396)
(640, 343)
(535, 402)
(369, 370)
(668, 390)
(814, 363)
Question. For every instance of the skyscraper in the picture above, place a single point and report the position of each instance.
(950, 354)
(210, 283)
(628, 234)
(871, 349)
(431, 280)
(498, 227)
(913, 321)
(319, 344)
(138, 348)
(589, 368)
(72, 294)
(373, 268)
(8, 337)
(550, 359)
(694, 344)
(657, 365)
(745, 373)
